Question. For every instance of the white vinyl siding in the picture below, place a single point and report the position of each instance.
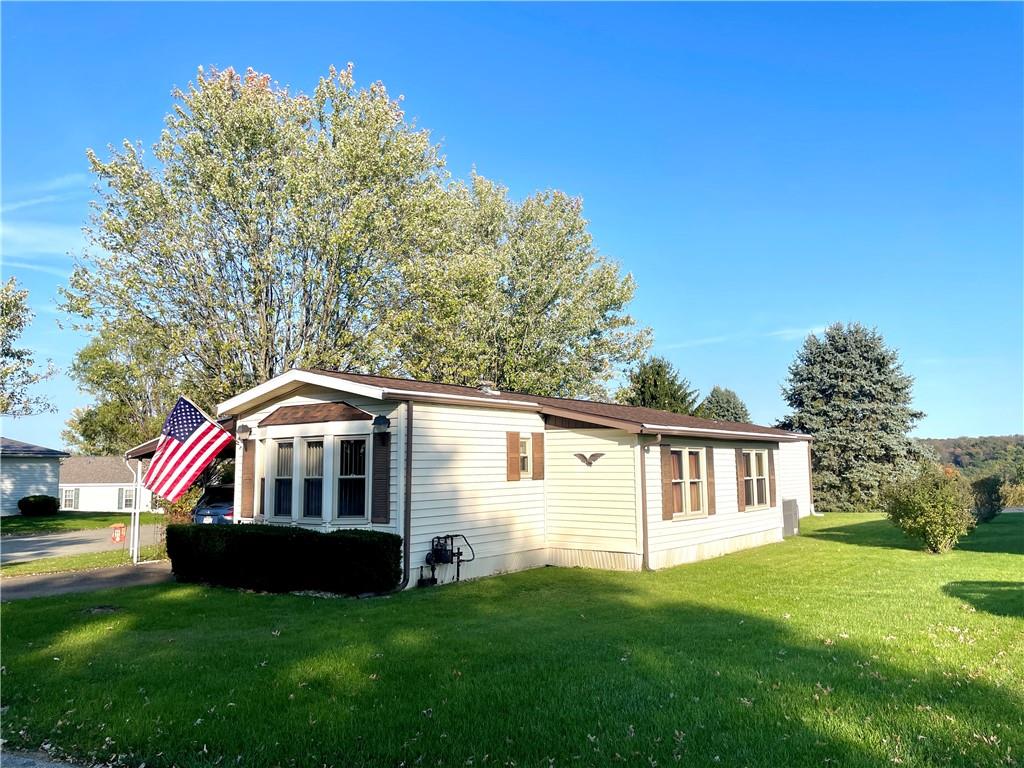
(459, 485)
(591, 507)
(672, 542)
(792, 476)
(105, 497)
(22, 476)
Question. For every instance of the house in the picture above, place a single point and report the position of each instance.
(26, 470)
(529, 481)
(103, 484)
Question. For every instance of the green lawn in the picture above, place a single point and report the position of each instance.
(84, 562)
(843, 647)
(64, 522)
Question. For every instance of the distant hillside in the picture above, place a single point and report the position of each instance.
(974, 456)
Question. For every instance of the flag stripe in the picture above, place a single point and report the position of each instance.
(180, 461)
(189, 441)
(198, 466)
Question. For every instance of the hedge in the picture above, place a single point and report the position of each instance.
(272, 558)
(38, 505)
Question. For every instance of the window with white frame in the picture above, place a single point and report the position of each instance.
(755, 478)
(689, 489)
(313, 478)
(283, 479)
(526, 456)
(127, 498)
(68, 497)
(350, 501)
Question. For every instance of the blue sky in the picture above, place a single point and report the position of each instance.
(762, 170)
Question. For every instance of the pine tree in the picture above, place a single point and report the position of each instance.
(724, 405)
(656, 383)
(848, 390)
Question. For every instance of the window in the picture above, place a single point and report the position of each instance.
(68, 498)
(283, 479)
(127, 498)
(525, 456)
(313, 479)
(689, 494)
(351, 499)
(755, 478)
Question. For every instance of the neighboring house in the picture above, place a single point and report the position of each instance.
(529, 481)
(26, 470)
(103, 484)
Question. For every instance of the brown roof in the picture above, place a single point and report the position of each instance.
(312, 414)
(83, 470)
(624, 414)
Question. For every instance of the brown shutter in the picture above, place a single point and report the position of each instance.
(511, 455)
(666, 482)
(741, 497)
(248, 477)
(380, 491)
(709, 459)
(771, 477)
(538, 455)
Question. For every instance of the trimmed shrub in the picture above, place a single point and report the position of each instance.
(934, 504)
(988, 500)
(272, 558)
(39, 505)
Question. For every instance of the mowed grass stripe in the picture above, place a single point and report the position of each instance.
(845, 646)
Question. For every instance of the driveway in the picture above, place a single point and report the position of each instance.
(17, 549)
(47, 584)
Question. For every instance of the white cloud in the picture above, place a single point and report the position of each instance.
(783, 334)
(31, 202)
(22, 239)
(65, 182)
(36, 267)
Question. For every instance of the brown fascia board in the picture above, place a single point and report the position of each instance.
(582, 415)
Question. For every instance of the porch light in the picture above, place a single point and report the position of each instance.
(381, 424)
(242, 431)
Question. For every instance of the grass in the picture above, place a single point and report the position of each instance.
(83, 562)
(845, 646)
(65, 522)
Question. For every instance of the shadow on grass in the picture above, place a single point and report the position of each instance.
(1000, 598)
(1004, 535)
(548, 667)
(871, 533)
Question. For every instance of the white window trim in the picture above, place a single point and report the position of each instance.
(754, 476)
(274, 477)
(686, 514)
(64, 494)
(302, 481)
(128, 490)
(527, 472)
(336, 476)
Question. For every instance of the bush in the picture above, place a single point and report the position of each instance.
(988, 500)
(932, 504)
(179, 511)
(39, 505)
(272, 558)
(1012, 494)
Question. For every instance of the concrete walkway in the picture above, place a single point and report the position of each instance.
(28, 760)
(18, 549)
(47, 584)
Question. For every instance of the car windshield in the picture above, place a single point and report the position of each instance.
(218, 495)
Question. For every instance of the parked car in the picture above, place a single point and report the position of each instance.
(216, 506)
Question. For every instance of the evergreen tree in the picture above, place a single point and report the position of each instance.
(724, 405)
(848, 390)
(656, 383)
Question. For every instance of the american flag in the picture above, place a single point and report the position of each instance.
(188, 443)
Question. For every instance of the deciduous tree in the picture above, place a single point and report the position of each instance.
(18, 372)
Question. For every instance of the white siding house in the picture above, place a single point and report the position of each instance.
(26, 470)
(103, 484)
(522, 481)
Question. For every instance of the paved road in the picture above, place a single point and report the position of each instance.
(28, 760)
(45, 585)
(17, 549)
